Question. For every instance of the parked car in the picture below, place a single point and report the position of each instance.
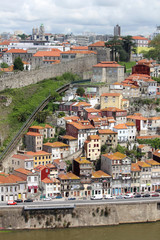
(47, 199)
(58, 196)
(119, 197)
(158, 190)
(28, 200)
(96, 197)
(155, 195)
(128, 195)
(138, 195)
(72, 198)
(11, 202)
(19, 201)
(146, 195)
(108, 196)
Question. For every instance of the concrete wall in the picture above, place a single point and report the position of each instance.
(82, 215)
(21, 79)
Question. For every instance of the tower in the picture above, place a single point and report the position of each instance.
(117, 31)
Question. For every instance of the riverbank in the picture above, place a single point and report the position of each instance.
(80, 216)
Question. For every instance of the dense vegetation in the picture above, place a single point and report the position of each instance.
(155, 143)
(154, 52)
(121, 48)
(24, 102)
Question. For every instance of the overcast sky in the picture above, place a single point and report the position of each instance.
(77, 16)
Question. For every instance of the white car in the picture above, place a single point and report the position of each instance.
(108, 196)
(96, 197)
(47, 199)
(128, 195)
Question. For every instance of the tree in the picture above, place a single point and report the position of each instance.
(4, 65)
(116, 46)
(80, 91)
(18, 64)
(128, 45)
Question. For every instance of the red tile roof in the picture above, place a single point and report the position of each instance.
(16, 51)
(35, 134)
(98, 44)
(108, 64)
(47, 54)
(139, 38)
(110, 95)
(106, 131)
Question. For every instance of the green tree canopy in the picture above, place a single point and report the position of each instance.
(4, 65)
(18, 64)
(80, 91)
(121, 48)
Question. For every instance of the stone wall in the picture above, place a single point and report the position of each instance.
(92, 214)
(21, 79)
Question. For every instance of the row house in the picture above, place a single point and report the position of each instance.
(125, 89)
(145, 176)
(117, 165)
(147, 86)
(33, 141)
(126, 132)
(119, 115)
(111, 100)
(59, 150)
(101, 183)
(53, 170)
(21, 161)
(140, 122)
(72, 142)
(61, 122)
(108, 137)
(103, 123)
(135, 176)
(80, 130)
(70, 185)
(32, 179)
(74, 108)
(12, 187)
(40, 158)
(92, 148)
(153, 125)
(78, 108)
(91, 112)
(155, 174)
(145, 150)
(60, 165)
(47, 131)
(43, 172)
(50, 187)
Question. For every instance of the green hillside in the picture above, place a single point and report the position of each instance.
(23, 102)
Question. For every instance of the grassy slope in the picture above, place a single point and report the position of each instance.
(129, 66)
(24, 101)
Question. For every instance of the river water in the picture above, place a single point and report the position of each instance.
(142, 231)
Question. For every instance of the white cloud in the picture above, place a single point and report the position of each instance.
(100, 16)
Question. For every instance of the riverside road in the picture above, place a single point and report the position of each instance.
(66, 203)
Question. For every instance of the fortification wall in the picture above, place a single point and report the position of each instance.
(21, 79)
(80, 216)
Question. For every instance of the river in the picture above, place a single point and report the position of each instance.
(141, 231)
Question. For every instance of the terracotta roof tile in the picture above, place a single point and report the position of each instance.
(106, 131)
(115, 156)
(121, 126)
(135, 167)
(35, 134)
(100, 174)
(56, 144)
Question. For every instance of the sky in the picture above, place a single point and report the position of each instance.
(136, 17)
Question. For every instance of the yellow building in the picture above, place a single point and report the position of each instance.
(111, 100)
(92, 147)
(40, 158)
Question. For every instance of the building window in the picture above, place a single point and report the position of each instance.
(106, 99)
